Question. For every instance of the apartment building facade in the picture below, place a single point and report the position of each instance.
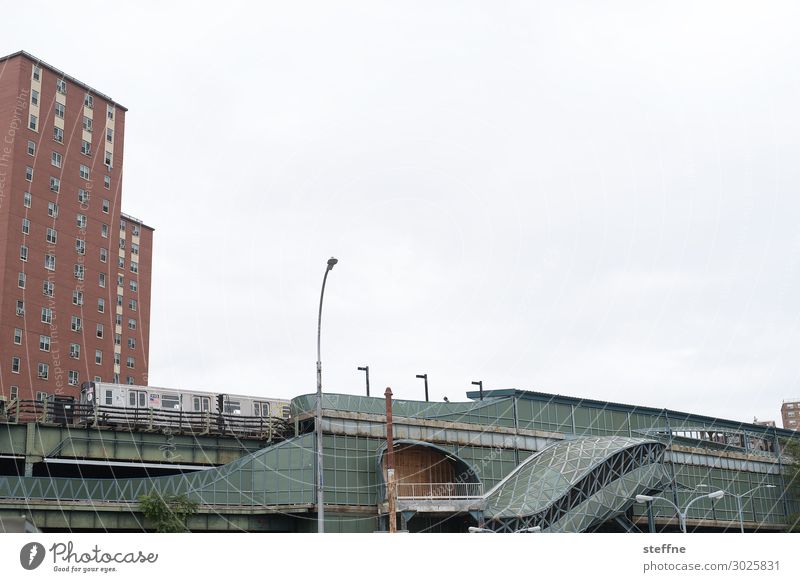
(75, 271)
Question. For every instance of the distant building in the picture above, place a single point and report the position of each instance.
(74, 270)
(790, 414)
(763, 422)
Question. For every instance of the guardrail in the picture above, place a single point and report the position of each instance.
(439, 490)
(147, 419)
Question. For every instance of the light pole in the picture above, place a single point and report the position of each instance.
(424, 377)
(365, 369)
(479, 384)
(739, 502)
(318, 416)
(681, 515)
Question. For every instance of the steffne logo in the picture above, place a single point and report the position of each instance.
(31, 555)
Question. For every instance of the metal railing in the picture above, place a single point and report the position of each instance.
(439, 490)
(148, 419)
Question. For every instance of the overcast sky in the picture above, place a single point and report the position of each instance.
(595, 199)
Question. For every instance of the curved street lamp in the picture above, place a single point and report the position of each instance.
(681, 515)
(318, 416)
(739, 502)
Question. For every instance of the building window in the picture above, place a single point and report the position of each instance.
(75, 323)
(17, 336)
(58, 134)
(73, 378)
(106, 205)
(61, 86)
(101, 305)
(121, 263)
(135, 230)
(34, 97)
(77, 297)
(15, 365)
(60, 110)
(109, 135)
(56, 159)
(100, 330)
(131, 324)
(108, 159)
(134, 286)
(122, 243)
(132, 343)
(118, 319)
(41, 396)
(43, 371)
(80, 246)
(27, 199)
(117, 339)
(110, 111)
(104, 230)
(14, 393)
(86, 147)
(33, 122)
(23, 253)
(120, 280)
(130, 362)
(107, 182)
(20, 307)
(75, 351)
(84, 172)
(26, 226)
(78, 271)
(122, 225)
(88, 101)
(48, 288)
(98, 356)
(102, 280)
(21, 278)
(80, 220)
(44, 343)
(103, 255)
(52, 209)
(116, 361)
(132, 304)
(87, 123)
(130, 380)
(31, 148)
(55, 184)
(83, 196)
(47, 315)
(52, 236)
(28, 173)
(37, 73)
(50, 262)
(134, 267)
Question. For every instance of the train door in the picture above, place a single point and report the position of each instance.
(201, 403)
(137, 399)
(261, 409)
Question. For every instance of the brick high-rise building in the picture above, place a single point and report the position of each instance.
(74, 270)
(790, 414)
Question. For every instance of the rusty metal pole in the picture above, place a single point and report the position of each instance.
(391, 490)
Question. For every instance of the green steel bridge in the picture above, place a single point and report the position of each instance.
(510, 462)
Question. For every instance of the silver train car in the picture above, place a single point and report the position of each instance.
(129, 396)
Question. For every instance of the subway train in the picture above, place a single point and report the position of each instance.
(128, 396)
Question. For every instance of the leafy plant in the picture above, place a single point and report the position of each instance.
(169, 513)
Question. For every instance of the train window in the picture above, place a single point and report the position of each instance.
(142, 400)
(200, 403)
(171, 401)
(132, 398)
(109, 398)
(286, 412)
(232, 407)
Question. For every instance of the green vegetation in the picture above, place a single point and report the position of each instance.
(169, 513)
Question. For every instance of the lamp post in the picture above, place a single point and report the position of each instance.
(424, 377)
(739, 502)
(479, 384)
(318, 416)
(681, 515)
(365, 369)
